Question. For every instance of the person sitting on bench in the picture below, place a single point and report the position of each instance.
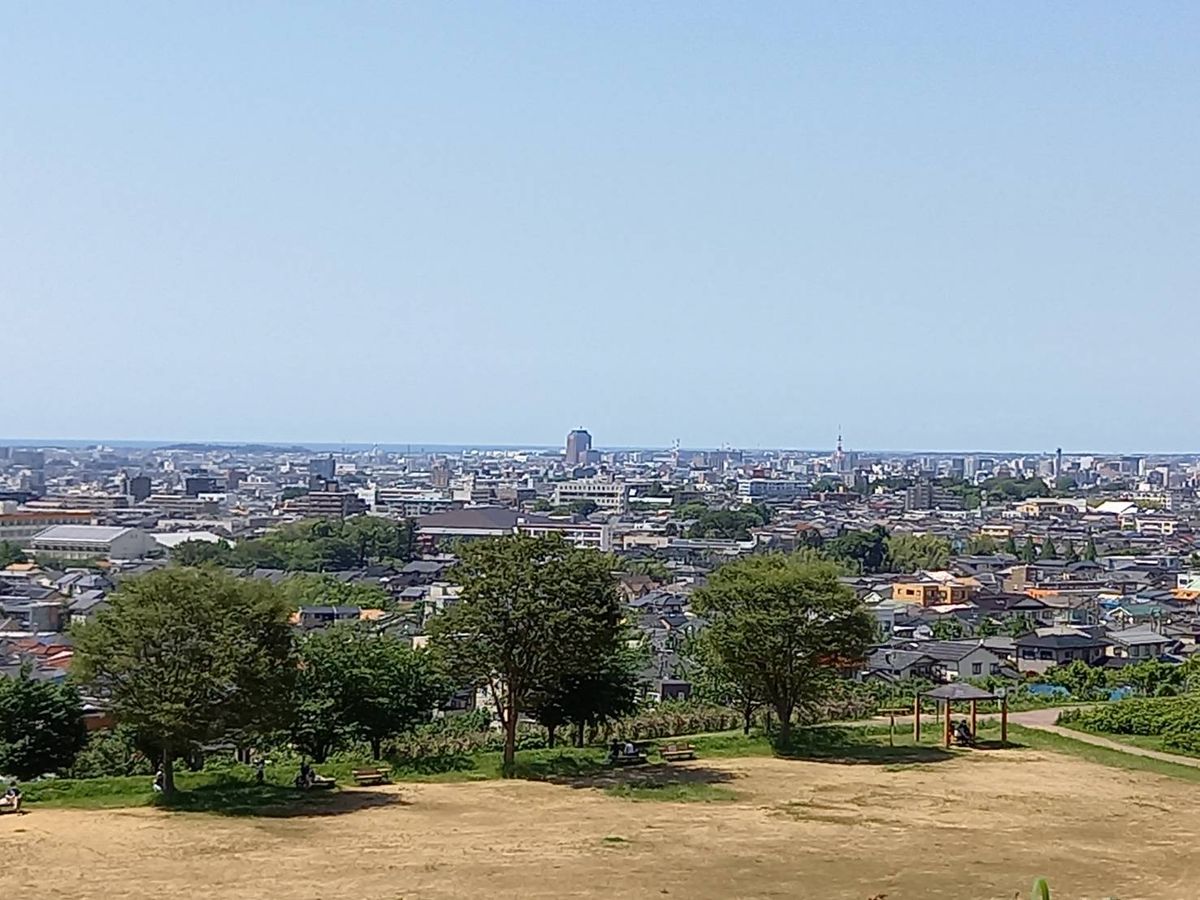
(12, 797)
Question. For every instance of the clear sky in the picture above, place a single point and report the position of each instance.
(939, 225)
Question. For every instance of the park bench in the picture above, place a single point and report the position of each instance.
(630, 759)
(368, 777)
(678, 752)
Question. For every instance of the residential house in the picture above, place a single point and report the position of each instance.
(1048, 647)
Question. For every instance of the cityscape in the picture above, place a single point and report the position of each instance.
(563, 451)
(1096, 554)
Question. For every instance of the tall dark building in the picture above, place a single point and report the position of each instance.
(579, 442)
(137, 488)
(323, 466)
(195, 485)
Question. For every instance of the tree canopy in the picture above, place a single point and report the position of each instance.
(783, 628)
(354, 683)
(532, 611)
(10, 553)
(313, 545)
(862, 551)
(911, 552)
(41, 726)
(187, 656)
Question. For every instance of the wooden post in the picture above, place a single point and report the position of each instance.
(974, 732)
(891, 728)
(1004, 719)
(947, 724)
(917, 720)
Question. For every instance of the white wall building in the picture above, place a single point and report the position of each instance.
(92, 542)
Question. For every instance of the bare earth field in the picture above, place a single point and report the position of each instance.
(979, 825)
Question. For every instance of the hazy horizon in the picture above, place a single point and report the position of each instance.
(931, 224)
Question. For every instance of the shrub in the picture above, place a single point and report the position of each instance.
(1145, 716)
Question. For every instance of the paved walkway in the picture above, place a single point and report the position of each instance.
(1044, 719)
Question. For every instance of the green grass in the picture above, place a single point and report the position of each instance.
(1144, 741)
(673, 792)
(1045, 740)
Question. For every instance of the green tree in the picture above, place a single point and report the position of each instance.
(1089, 550)
(989, 627)
(1010, 546)
(1048, 551)
(911, 552)
(1019, 625)
(1069, 555)
(582, 507)
(1083, 681)
(981, 545)
(605, 690)
(714, 683)
(189, 656)
(309, 589)
(863, 551)
(784, 629)
(948, 629)
(532, 610)
(41, 725)
(1029, 552)
(199, 553)
(355, 683)
(10, 553)
(541, 504)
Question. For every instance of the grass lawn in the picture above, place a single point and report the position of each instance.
(229, 789)
(1145, 741)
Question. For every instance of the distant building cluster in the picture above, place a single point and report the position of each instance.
(1045, 558)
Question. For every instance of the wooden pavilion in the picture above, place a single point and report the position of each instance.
(959, 692)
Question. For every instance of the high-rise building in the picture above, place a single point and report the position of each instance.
(579, 442)
(137, 488)
(323, 466)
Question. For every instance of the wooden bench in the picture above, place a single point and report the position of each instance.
(677, 752)
(629, 759)
(368, 777)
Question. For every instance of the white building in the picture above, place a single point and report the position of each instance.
(92, 542)
(604, 492)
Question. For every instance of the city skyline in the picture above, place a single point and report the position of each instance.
(436, 446)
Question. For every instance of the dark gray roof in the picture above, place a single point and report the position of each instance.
(959, 690)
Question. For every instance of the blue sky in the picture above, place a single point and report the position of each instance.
(940, 225)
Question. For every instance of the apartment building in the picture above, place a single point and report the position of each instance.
(606, 493)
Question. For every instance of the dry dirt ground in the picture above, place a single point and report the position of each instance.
(980, 825)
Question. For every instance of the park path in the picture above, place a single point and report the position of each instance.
(1045, 719)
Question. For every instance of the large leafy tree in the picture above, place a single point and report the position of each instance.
(309, 589)
(713, 682)
(199, 553)
(10, 553)
(188, 656)
(41, 726)
(532, 610)
(784, 628)
(605, 689)
(864, 551)
(356, 683)
(912, 552)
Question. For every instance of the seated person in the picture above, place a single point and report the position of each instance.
(12, 797)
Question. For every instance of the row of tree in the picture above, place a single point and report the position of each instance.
(313, 545)
(190, 656)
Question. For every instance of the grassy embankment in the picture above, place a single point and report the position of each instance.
(230, 789)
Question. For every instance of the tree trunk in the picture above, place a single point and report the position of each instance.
(510, 737)
(747, 715)
(376, 748)
(168, 767)
(550, 730)
(784, 712)
(579, 733)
